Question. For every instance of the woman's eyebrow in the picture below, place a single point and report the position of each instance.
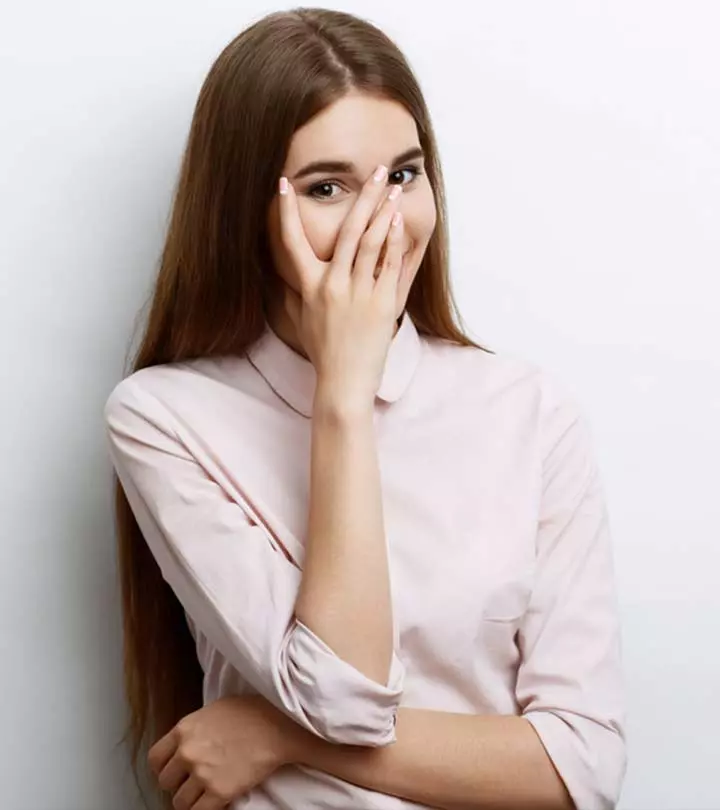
(343, 167)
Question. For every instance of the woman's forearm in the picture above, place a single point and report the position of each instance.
(451, 761)
(344, 596)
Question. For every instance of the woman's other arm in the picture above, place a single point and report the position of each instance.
(451, 761)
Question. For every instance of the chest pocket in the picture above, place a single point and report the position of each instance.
(504, 589)
(446, 600)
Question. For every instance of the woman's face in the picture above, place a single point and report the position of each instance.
(363, 132)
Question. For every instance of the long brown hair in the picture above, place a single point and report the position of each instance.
(214, 277)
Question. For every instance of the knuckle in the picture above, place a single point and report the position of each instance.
(183, 726)
(184, 752)
(371, 241)
(329, 298)
(333, 290)
(223, 793)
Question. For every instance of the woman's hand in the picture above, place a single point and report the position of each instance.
(345, 316)
(220, 752)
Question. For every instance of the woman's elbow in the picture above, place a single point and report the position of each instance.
(332, 698)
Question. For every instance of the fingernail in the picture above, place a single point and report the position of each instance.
(380, 173)
(395, 192)
(283, 185)
(397, 219)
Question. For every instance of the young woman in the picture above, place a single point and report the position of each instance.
(365, 562)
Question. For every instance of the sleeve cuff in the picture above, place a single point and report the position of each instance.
(341, 704)
(593, 782)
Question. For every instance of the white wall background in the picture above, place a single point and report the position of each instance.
(581, 143)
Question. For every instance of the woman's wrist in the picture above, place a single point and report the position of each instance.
(338, 404)
(296, 745)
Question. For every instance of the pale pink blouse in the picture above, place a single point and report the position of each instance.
(498, 542)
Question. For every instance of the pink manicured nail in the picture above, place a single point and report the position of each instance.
(283, 185)
(395, 192)
(379, 173)
(397, 219)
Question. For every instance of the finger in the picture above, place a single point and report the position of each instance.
(356, 222)
(292, 233)
(375, 239)
(162, 752)
(209, 802)
(173, 774)
(394, 244)
(188, 793)
(389, 275)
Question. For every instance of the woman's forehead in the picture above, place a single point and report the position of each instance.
(359, 130)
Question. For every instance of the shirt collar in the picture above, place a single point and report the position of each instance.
(293, 378)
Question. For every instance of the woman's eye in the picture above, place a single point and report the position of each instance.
(414, 172)
(323, 191)
(316, 191)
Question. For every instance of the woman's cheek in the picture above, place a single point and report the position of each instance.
(424, 212)
(322, 227)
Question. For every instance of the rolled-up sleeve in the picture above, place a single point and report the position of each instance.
(570, 682)
(238, 588)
